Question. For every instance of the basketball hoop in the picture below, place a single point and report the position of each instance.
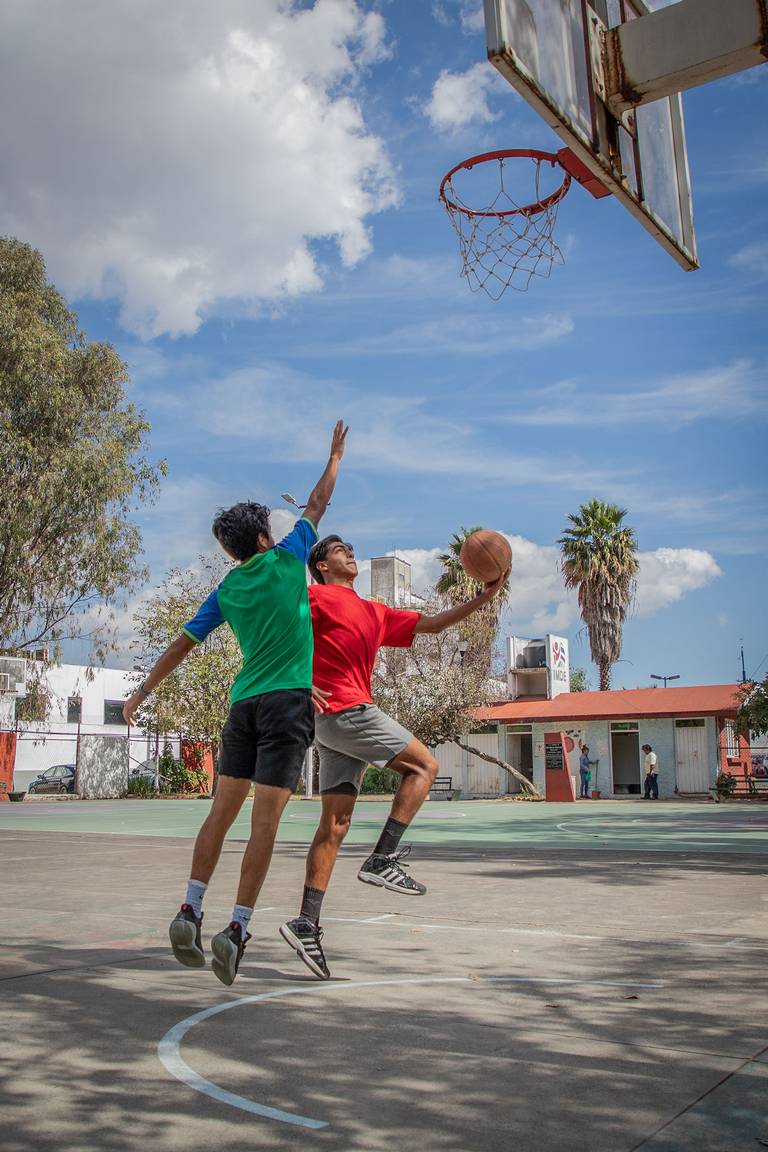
(508, 241)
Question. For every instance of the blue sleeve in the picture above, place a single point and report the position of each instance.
(300, 539)
(207, 617)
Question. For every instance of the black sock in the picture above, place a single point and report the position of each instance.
(311, 903)
(390, 837)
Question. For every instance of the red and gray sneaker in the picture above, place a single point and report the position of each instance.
(304, 937)
(184, 933)
(228, 948)
(388, 872)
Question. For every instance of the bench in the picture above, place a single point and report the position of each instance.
(442, 788)
(751, 788)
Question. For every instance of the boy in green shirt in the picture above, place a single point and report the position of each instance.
(271, 720)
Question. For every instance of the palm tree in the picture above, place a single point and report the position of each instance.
(599, 559)
(454, 582)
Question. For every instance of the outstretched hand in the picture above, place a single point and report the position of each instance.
(338, 440)
(495, 586)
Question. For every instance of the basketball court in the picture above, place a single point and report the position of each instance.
(579, 976)
(582, 977)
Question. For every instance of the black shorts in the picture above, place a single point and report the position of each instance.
(265, 738)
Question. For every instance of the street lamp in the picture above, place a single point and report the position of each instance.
(664, 678)
(291, 500)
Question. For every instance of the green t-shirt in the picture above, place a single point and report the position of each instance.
(264, 601)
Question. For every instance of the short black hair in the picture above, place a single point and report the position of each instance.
(319, 552)
(238, 528)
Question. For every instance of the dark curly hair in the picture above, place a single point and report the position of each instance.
(238, 528)
(319, 552)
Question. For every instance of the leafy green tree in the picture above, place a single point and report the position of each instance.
(72, 460)
(433, 687)
(599, 560)
(579, 681)
(193, 701)
(753, 708)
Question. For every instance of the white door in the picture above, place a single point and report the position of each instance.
(692, 761)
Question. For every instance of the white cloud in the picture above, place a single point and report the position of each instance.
(468, 12)
(723, 392)
(461, 98)
(669, 574)
(752, 258)
(178, 155)
(539, 602)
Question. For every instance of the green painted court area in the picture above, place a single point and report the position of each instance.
(595, 825)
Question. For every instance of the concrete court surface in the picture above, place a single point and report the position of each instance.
(550, 992)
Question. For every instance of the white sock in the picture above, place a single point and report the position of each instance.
(195, 892)
(241, 915)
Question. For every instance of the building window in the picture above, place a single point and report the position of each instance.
(74, 710)
(624, 726)
(113, 712)
(731, 743)
(514, 729)
(689, 723)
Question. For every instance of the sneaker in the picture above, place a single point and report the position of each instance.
(304, 937)
(228, 948)
(184, 933)
(387, 872)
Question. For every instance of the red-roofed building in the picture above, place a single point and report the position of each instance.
(691, 730)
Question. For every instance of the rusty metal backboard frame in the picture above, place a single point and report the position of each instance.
(550, 51)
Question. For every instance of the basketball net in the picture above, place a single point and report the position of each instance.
(505, 243)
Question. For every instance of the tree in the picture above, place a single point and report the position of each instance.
(753, 708)
(454, 582)
(194, 700)
(579, 681)
(432, 689)
(599, 559)
(72, 460)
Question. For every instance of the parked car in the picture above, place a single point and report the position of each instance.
(146, 771)
(59, 778)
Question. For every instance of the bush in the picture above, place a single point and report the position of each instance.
(178, 778)
(140, 786)
(725, 784)
(380, 780)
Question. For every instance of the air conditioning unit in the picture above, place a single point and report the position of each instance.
(5, 682)
(16, 670)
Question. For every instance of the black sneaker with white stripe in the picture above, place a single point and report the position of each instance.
(387, 872)
(186, 941)
(304, 937)
(228, 948)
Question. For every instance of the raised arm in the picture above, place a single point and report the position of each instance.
(320, 495)
(166, 664)
(442, 620)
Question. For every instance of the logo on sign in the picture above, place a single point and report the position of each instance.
(559, 655)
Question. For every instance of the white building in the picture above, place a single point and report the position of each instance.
(83, 701)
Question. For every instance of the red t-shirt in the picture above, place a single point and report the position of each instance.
(348, 633)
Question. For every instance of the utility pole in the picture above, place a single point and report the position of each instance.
(743, 669)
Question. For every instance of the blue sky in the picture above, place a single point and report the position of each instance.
(243, 198)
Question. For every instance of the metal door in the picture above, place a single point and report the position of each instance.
(692, 760)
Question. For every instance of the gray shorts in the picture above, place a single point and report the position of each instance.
(349, 741)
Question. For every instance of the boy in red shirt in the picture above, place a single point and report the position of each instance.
(351, 732)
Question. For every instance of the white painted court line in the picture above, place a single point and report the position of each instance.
(409, 925)
(168, 1050)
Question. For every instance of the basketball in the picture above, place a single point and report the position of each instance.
(485, 555)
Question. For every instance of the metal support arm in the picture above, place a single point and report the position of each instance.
(680, 47)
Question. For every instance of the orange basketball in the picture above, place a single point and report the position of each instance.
(485, 555)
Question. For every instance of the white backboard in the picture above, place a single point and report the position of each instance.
(546, 50)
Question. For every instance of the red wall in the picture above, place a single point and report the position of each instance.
(743, 763)
(7, 762)
(558, 782)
